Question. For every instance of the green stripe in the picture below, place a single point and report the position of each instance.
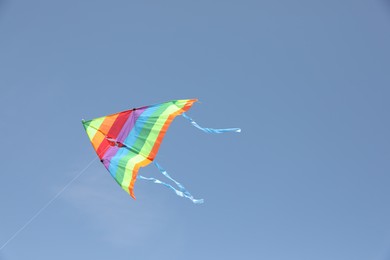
(148, 126)
(121, 169)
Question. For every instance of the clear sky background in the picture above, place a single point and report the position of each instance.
(307, 81)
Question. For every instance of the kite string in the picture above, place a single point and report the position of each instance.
(47, 204)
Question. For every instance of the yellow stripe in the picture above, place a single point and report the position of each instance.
(93, 127)
(128, 174)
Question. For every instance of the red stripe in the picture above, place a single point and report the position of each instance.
(118, 124)
(103, 147)
(113, 132)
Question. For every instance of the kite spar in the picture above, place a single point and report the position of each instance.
(129, 140)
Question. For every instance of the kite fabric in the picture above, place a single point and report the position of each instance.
(129, 140)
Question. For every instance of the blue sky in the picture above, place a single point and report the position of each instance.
(307, 81)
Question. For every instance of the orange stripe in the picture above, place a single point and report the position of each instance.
(134, 175)
(163, 130)
(97, 140)
(101, 143)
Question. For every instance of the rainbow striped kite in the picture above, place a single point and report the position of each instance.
(129, 140)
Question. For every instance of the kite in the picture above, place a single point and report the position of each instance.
(129, 140)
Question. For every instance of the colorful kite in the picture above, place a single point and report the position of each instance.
(130, 139)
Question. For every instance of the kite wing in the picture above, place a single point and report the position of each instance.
(129, 140)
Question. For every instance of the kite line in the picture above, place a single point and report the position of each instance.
(47, 204)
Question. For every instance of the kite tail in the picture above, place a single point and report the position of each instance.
(211, 130)
(182, 192)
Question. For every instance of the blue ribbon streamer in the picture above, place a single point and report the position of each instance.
(182, 192)
(210, 130)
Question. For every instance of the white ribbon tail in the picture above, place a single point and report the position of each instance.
(211, 130)
(182, 192)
